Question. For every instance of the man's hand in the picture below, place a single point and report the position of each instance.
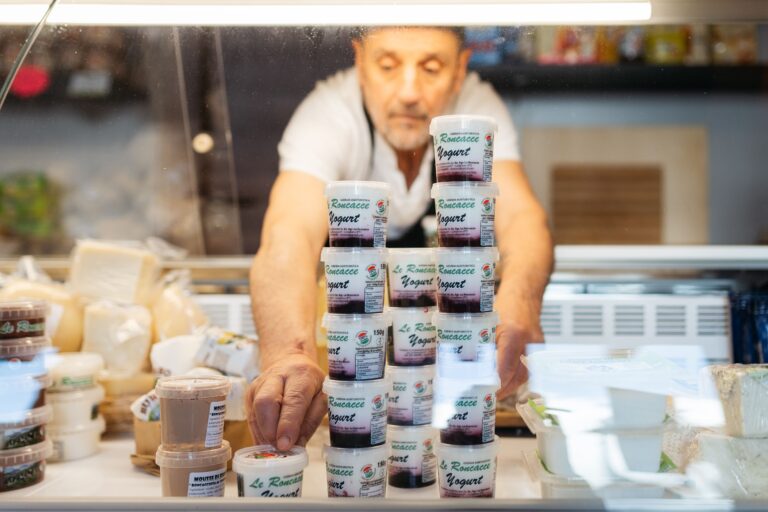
(511, 340)
(285, 403)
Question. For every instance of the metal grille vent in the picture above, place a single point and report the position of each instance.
(246, 320)
(588, 320)
(552, 320)
(712, 320)
(629, 320)
(670, 320)
(217, 313)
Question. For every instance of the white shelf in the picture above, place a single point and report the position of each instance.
(661, 257)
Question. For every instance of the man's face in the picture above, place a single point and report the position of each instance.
(408, 76)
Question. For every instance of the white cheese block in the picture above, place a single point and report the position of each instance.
(120, 333)
(730, 466)
(743, 391)
(113, 272)
(175, 356)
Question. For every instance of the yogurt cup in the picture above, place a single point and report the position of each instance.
(357, 213)
(356, 345)
(357, 412)
(465, 337)
(193, 473)
(264, 472)
(467, 471)
(73, 408)
(466, 279)
(463, 147)
(354, 279)
(23, 349)
(412, 278)
(25, 429)
(411, 394)
(71, 371)
(192, 411)
(22, 318)
(23, 467)
(23, 392)
(76, 442)
(466, 213)
(465, 411)
(412, 461)
(412, 339)
(356, 472)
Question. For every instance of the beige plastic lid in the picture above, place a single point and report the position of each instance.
(29, 418)
(22, 309)
(23, 347)
(75, 370)
(190, 387)
(25, 383)
(265, 456)
(26, 455)
(199, 459)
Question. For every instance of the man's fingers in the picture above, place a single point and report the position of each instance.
(299, 392)
(314, 416)
(266, 407)
(250, 410)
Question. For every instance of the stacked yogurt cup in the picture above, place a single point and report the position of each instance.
(24, 380)
(355, 267)
(467, 379)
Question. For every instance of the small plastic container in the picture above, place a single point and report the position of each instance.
(264, 472)
(412, 278)
(356, 472)
(354, 279)
(73, 408)
(412, 461)
(411, 395)
(71, 371)
(467, 471)
(356, 345)
(466, 279)
(195, 474)
(23, 349)
(192, 411)
(465, 409)
(24, 429)
(466, 337)
(23, 467)
(463, 147)
(413, 339)
(357, 412)
(357, 213)
(21, 392)
(76, 441)
(466, 213)
(22, 318)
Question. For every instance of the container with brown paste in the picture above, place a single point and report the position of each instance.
(22, 318)
(193, 473)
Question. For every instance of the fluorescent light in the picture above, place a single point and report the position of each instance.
(254, 14)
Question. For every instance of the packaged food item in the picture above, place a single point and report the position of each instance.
(24, 429)
(118, 386)
(193, 473)
(357, 213)
(466, 279)
(465, 410)
(411, 394)
(466, 213)
(23, 467)
(74, 371)
(732, 467)
(19, 393)
(356, 472)
(463, 147)
(354, 279)
(147, 407)
(357, 412)
(413, 338)
(174, 310)
(25, 350)
(743, 394)
(264, 472)
(192, 411)
(412, 461)
(356, 345)
(119, 333)
(22, 318)
(233, 354)
(176, 356)
(465, 337)
(412, 278)
(76, 441)
(78, 407)
(236, 410)
(467, 471)
(735, 44)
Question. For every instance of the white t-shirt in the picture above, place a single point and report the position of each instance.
(328, 137)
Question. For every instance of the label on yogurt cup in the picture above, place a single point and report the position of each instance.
(357, 421)
(462, 338)
(356, 350)
(355, 281)
(206, 483)
(412, 284)
(215, 431)
(467, 478)
(463, 155)
(276, 486)
(465, 287)
(466, 221)
(412, 464)
(362, 477)
(412, 338)
(473, 418)
(358, 221)
(410, 400)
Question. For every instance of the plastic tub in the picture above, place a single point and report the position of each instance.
(24, 429)
(465, 411)
(357, 213)
(463, 147)
(22, 392)
(357, 412)
(354, 279)
(412, 278)
(467, 471)
(199, 473)
(356, 345)
(22, 318)
(192, 411)
(466, 213)
(263, 471)
(466, 337)
(356, 472)
(23, 349)
(23, 467)
(466, 279)
(412, 461)
(77, 441)
(413, 340)
(410, 396)
(72, 408)
(74, 370)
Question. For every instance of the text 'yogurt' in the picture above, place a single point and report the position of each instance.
(357, 213)
(466, 279)
(463, 147)
(412, 339)
(357, 412)
(354, 279)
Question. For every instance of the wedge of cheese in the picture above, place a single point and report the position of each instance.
(735, 467)
(175, 313)
(120, 333)
(743, 391)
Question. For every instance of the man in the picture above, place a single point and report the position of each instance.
(372, 123)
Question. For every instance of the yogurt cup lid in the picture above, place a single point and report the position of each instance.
(488, 449)
(23, 347)
(483, 187)
(357, 186)
(462, 251)
(27, 418)
(24, 382)
(490, 317)
(93, 394)
(191, 387)
(474, 378)
(98, 425)
(417, 430)
(356, 252)
(410, 251)
(27, 454)
(340, 385)
(75, 364)
(266, 456)
(427, 370)
(354, 318)
(178, 460)
(371, 451)
(460, 119)
(422, 310)
(22, 309)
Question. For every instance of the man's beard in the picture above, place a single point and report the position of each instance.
(403, 139)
